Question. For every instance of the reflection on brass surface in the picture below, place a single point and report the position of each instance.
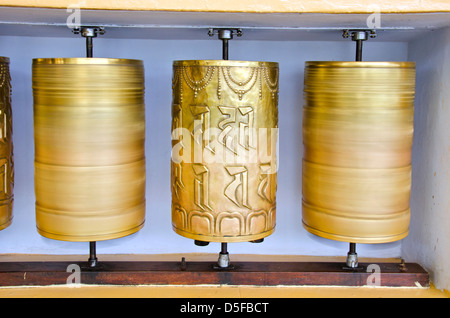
(6, 146)
(89, 128)
(357, 136)
(224, 129)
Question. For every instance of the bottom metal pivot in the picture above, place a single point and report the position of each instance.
(223, 262)
(93, 262)
(352, 262)
(352, 259)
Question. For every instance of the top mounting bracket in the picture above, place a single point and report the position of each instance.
(89, 31)
(225, 33)
(359, 36)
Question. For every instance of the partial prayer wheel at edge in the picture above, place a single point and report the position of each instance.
(6, 146)
(357, 136)
(89, 124)
(223, 112)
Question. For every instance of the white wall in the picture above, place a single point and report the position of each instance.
(429, 239)
(157, 235)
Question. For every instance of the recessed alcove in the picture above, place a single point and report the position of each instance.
(160, 37)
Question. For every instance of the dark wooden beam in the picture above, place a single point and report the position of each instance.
(194, 273)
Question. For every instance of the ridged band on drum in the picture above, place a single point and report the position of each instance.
(357, 136)
(89, 124)
(224, 137)
(6, 147)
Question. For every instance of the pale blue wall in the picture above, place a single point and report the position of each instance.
(157, 235)
(429, 239)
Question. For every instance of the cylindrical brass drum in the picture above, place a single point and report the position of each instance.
(89, 125)
(357, 135)
(224, 138)
(6, 146)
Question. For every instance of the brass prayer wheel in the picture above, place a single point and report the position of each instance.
(89, 125)
(357, 136)
(6, 146)
(224, 137)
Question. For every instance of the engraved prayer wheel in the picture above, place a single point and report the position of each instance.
(357, 135)
(6, 146)
(224, 137)
(89, 124)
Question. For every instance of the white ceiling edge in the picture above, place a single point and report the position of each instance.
(16, 21)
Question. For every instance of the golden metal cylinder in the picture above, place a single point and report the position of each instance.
(357, 136)
(6, 146)
(224, 136)
(89, 127)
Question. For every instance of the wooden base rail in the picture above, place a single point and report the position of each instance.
(258, 273)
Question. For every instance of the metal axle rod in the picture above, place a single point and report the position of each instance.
(89, 33)
(359, 36)
(93, 261)
(225, 35)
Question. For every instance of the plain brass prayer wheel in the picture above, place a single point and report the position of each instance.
(6, 146)
(357, 136)
(224, 137)
(89, 124)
